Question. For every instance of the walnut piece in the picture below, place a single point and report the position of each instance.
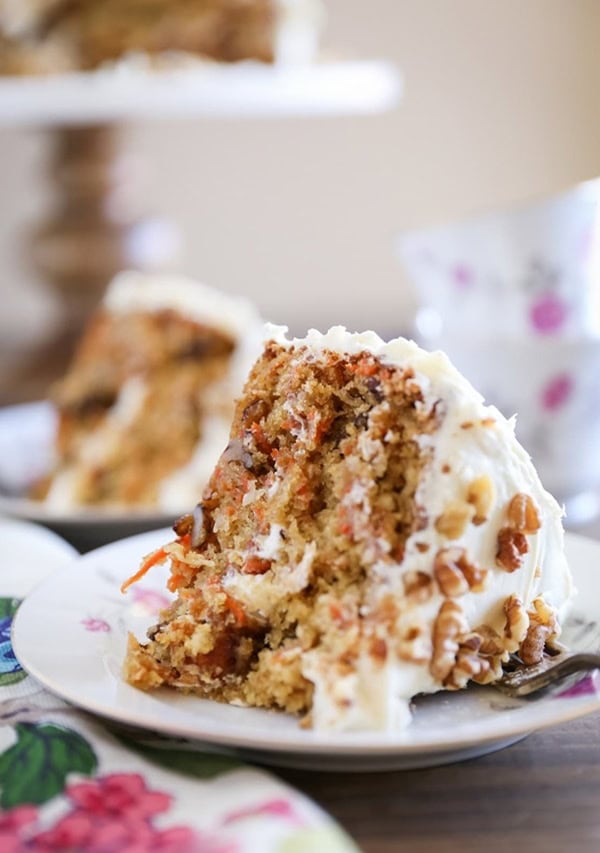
(531, 649)
(414, 644)
(453, 521)
(448, 627)
(512, 545)
(492, 644)
(455, 574)
(543, 613)
(469, 666)
(543, 627)
(450, 578)
(418, 586)
(481, 494)
(523, 514)
(517, 623)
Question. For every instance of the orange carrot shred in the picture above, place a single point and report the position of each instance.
(236, 609)
(152, 559)
(174, 582)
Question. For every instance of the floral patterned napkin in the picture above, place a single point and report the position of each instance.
(68, 781)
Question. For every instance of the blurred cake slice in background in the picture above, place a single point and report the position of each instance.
(45, 36)
(145, 408)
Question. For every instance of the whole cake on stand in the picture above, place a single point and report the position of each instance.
(81, 69)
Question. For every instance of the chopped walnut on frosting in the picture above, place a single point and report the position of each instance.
(512, 545)
(414, 644)
(418, 586)
(481, 494)
(543, 628)
(471, 665)
(449, 626)
(517, 623)
(523, 519)
(523, 514)
(455, 574)
(453, 521)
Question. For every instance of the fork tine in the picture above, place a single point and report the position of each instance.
(550, 672)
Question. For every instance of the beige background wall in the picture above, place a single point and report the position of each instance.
(501, 104)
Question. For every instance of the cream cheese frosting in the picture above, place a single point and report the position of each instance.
(473, 441)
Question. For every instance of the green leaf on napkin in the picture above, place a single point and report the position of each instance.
(8, 607)
(35, 768)
(201, 765)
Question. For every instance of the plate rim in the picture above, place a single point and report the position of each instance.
(59, 542)
(373, 744)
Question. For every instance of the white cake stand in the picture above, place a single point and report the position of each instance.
(133, 90)
(83, 240)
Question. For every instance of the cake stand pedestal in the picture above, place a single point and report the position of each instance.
(81, 243)
(85, 238)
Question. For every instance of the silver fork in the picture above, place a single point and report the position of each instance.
(551, 673)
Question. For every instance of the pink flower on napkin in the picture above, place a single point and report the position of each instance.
(123, 794)
(116, 812)
(274, 808)
(12, 824)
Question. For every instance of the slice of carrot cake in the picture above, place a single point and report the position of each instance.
(372, 531)
(145, 408)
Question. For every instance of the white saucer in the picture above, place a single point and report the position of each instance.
(28, 555)
(70, 634)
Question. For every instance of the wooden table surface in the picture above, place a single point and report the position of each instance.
(541, 795)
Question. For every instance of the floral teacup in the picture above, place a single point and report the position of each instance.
(514, 299)
(532, 270)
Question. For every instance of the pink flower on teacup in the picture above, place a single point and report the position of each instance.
(557, 391)
(548, 313)
(462, 276)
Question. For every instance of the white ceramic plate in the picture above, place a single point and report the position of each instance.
(70, 634)
(26, 441)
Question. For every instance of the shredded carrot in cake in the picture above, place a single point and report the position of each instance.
(153, 559)
(175, 581)
(236, 609)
